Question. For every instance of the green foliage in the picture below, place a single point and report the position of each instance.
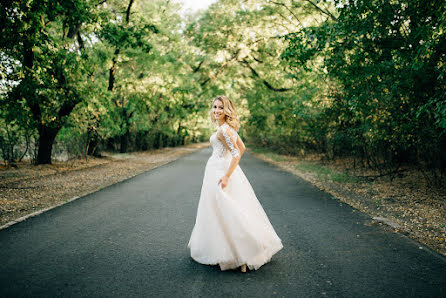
(363, 78)
(96, 75)
(387, 61)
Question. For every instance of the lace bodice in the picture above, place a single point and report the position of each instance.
(219, 149)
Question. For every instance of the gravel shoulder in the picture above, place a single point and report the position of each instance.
(30, 189)
(407, 204)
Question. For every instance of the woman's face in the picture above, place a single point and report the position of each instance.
(217, 110)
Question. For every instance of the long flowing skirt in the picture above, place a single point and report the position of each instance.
(231, 227)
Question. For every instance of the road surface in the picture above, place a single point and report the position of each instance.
(130, 240)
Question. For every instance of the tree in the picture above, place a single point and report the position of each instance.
(387, 59)
(52, 69)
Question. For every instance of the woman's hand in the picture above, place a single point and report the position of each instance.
(224, 181)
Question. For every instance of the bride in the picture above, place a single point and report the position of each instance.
(231, 227)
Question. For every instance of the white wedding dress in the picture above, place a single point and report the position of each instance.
(231, 227)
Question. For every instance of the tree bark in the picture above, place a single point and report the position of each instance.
(127, 13)
(111, 79)
(125, 126)
(46, 140)
(124, 142)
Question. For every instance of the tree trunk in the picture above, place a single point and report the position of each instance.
(93, 141)
(93, 146)
(46, 140)
(125, 128)
(124, 142)
(111, 78)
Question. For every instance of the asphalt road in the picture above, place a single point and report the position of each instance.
(130, 240)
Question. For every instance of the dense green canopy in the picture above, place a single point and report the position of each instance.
(361, 78)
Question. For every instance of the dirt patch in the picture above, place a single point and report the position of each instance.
(406, 204)
(28, 189)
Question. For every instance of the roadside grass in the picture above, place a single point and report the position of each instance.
(325, 173)
(269, 154)
(321, 171)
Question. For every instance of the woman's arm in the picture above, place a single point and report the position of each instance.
(241, 145)
(228, 139)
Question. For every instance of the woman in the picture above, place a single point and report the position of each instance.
(231, 228)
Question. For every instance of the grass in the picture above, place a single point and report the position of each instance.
(325, 173)
(322, 172)
(269, 154)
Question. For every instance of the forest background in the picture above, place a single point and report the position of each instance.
(358, 79)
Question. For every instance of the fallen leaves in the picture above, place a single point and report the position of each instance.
(416, 208)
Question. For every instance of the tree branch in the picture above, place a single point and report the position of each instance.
(111, 78)
(127, 14)
(326, 12)
(198, 67)
(204, 82)
(80, 41)
(73, 30)
(256, 74)
(287, 8)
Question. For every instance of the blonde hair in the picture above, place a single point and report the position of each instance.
(231, 116)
